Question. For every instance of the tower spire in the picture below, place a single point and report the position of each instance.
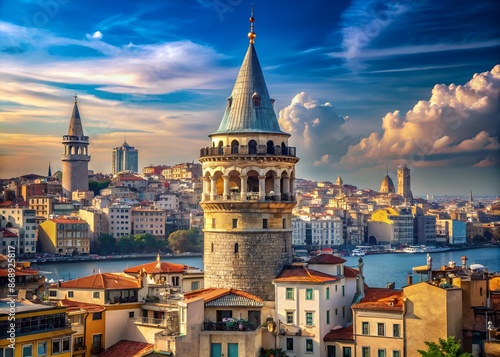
(251, 34)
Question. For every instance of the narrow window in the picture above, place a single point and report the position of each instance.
(284, 223)
(396, 330)
(289, 293)
(327, 293)
(256, 100)
(380, 329)
(236, 248)
(212, 247)
(235, 222)
(289, 317)
(365, 351)
(381, 353)
(327, 316)
(289, 343)
(213, 222)
(264, 223)
(365, 328)
(346, 352)
(309, 318)
(309, 294)
(309, 345)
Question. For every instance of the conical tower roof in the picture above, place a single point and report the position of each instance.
(75, 123)
(249, 109)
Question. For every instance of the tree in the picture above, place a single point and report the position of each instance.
(107, 244)
(186, 241)
(126, 245)
(449, 348)
(97, 186)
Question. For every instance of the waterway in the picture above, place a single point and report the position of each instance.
(379, 269)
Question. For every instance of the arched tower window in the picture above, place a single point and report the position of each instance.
(236, 248)
(229, 102)
(256, 100)
(252, 147)
(284, 150)
(221, 149)
(234, 146)
(270, 147)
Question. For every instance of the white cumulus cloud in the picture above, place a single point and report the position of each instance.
(95, 36)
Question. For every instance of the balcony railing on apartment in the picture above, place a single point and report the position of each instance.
(253, 196)
(150, 321)
(230, 326)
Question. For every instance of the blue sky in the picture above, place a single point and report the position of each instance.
(359, 84)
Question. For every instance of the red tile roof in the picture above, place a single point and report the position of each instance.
(210, 294)
(381, 299)
(154, 267)
(350, 272)
(346, 333)
(107, 281)
(7, 234)
(126, 348)
(301, 274)
(130, 178)
(72, 305)
(19, 272)
(326, 259)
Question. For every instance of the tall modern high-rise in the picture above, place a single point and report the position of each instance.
(75, 160)
(125, 158)
(404, 183)
(248, 196)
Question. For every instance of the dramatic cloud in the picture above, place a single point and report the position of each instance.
(457, 126)
(317, 130)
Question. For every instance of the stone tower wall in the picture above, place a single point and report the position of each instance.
(75, 176)
(261, 256)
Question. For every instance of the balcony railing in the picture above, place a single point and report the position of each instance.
(251, 196)
(260, 150)
(150, 321)
(230, 326)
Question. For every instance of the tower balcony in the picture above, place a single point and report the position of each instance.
(74, 157)
(249, 197)
(75, 139)
(245, 150)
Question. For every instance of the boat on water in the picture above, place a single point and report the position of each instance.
(424, 249)
(358, 252)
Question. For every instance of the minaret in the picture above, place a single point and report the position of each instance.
(404, 183)
(248, 196)
(75, 159)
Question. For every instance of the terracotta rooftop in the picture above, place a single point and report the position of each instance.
(109, 281)
(130, 178)
(19, 272)
(209, 294)
(350, 272)
(326, 259)
(72, 305)
(128, 349)
(154, 267)
(7, 234)
(381, 299)
(301, 274)
(346, 333)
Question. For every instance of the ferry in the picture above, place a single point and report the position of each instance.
(358, 252)
(424, 249)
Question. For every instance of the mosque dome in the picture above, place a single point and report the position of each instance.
(387, 185)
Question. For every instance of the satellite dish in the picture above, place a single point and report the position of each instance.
(282, 332)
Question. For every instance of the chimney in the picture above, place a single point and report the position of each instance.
(360, 286)
(464, 259)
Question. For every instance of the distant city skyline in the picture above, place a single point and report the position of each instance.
(360, 85)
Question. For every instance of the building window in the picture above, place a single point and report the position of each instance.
(346, 352)
(289, 343)
(71, 294)
(343, 312)
(42, 348)
(309, 318)
(289, 293)
(175, 281)
(289, 317)
(327, 293)
(212, 247)
(381, 353)
(95, 294)
(52, 293)
(343, 290)
(66, 344)
(396, 353)
(56, 346)
(365, 330)
(235, 222)
(96, 341)
(78, 342)
(236, 248)
(131, 314)
(309, 294)
(381, 329)
(195, 285)
(396, 330)
(309, 345)
(213, 223)
(327, 316)
(365, 351)
(28, 350)
(264, 223)
(97, 316)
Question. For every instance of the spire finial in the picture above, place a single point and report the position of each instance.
(251, 34)
(76, 97)
(386, 169)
